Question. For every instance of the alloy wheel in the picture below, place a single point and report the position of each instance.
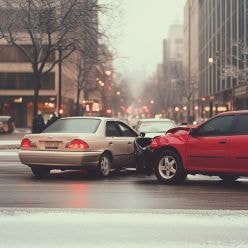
(105, 165)
(167, 167)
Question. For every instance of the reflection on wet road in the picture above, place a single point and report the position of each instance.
(122, 190)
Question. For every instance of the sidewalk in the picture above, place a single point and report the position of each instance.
(13, 141)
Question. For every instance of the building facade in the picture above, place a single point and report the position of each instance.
(191, 58)
(223, 55)
(17, 70)
(173, 50)
(16, 86)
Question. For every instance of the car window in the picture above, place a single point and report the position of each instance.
(221, 125)
(112, 130)
(242, 125)
(155, 126)
(73, 126)
(126, 131)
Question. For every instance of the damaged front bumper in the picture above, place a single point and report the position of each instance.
(143, 155)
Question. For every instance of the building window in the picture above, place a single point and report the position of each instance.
(25, 81)
(11, 54)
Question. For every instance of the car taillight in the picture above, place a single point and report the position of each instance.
(27, 143)
(77, 144)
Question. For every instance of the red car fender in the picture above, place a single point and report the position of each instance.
(176, 141)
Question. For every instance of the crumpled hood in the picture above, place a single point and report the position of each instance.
(177, 129)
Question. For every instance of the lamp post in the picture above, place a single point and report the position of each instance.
(60, 79)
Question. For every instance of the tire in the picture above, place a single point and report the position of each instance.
(168, 168)
(40, 172)
(104, 166)
(228, 178)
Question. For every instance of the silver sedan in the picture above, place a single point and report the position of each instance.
(80, 142)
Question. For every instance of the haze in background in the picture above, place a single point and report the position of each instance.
(145, 23)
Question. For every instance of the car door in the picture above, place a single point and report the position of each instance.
(128, 136)
(239, 145)
(116, 144)
(208, 149)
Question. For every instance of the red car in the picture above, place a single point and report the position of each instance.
(218, 147)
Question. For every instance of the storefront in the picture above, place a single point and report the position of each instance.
(21, 108)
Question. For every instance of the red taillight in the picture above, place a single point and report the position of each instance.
(77, 144)
(26, 143)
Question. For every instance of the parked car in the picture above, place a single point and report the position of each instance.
(7, 124)
(152, 127)
(216, 147)
(80, 142)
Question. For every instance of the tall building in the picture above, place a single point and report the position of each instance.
(223, 54)
(191, 57)
(173, 49)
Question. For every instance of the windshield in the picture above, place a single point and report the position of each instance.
(73, 126)
(155, 126)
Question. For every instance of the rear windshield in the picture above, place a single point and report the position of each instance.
(73, 126)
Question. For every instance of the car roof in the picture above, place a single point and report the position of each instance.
(93, 117)
(235, 112)
(154, 119)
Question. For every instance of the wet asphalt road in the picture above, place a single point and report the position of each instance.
(123, 190)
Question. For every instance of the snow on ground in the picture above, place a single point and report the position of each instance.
(86, 228)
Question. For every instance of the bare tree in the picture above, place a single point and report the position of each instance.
(47, 26)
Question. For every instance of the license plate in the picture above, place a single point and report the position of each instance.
(52, 145)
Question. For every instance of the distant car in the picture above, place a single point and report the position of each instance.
(80, 142)
(7, 124)
(147, 129)
(152, 127)
(216, 147)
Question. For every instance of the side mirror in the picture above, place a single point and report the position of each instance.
(142, 134)
(193, 132)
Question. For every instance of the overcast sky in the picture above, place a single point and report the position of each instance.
(145, 24)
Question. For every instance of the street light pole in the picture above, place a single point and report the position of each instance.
(60, 80)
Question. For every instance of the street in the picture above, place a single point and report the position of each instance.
(135, 209)
(122, 190)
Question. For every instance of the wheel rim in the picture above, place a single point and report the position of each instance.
(167, 167)
(105, 166)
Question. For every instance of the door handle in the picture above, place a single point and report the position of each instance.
(129, 143)
(222, 142)
(111, 143)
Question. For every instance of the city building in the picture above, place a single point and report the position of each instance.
(173, 50)
(223, 55)
(17, 77)
(16, 86)
(191, 58)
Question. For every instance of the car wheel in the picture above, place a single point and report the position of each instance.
(40, 172)
(229, 178)
(104, 166)
(168, 168)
